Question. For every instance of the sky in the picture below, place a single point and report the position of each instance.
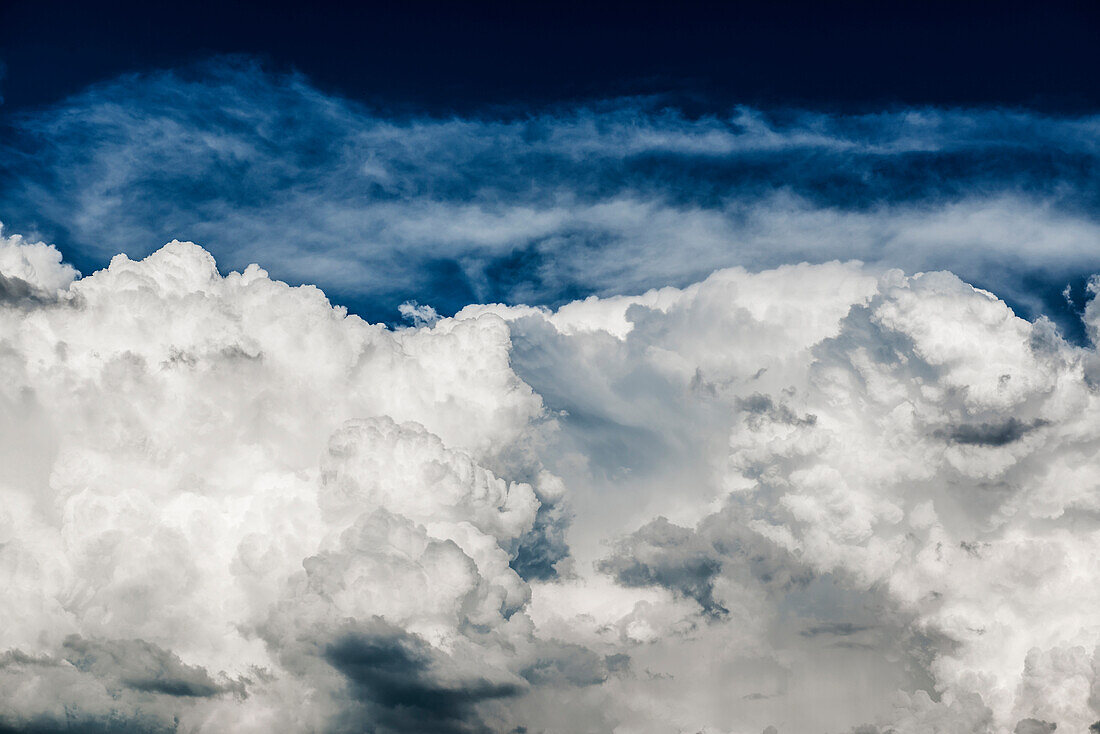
(724, 368)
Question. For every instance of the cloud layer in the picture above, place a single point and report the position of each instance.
(819, 498)
(548, 206)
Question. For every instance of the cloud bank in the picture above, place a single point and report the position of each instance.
(547, 206)
(816, 498)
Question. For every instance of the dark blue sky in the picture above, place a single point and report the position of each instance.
(446, 56)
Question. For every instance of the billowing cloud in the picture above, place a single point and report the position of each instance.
(819, 498)
(893, 474)
(205, 478)
(31, 270)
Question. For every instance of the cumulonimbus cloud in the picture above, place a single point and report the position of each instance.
(813, 498)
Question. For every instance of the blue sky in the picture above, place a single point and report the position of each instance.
(551, 203)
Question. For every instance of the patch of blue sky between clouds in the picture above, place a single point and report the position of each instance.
(549, 205)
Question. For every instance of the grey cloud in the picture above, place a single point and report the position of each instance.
(663, 554)
(891, 349)
(540, 550)
(617, 663)
(390, 670)
(569, 664)
(762, 407)
(107, 686)
(838, 629)
(998, 433)
(76, 723)
(142, 666)
(1034, 726)
(16, 291)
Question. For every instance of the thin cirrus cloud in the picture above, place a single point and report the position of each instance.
(543, 207)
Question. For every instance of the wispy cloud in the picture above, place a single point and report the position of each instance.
(546, 206)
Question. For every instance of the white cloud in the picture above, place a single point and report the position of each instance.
(908, 437)
(813, 498)
(31, 269)
(181, 445)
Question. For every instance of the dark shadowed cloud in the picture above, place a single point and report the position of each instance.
(390, 670)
